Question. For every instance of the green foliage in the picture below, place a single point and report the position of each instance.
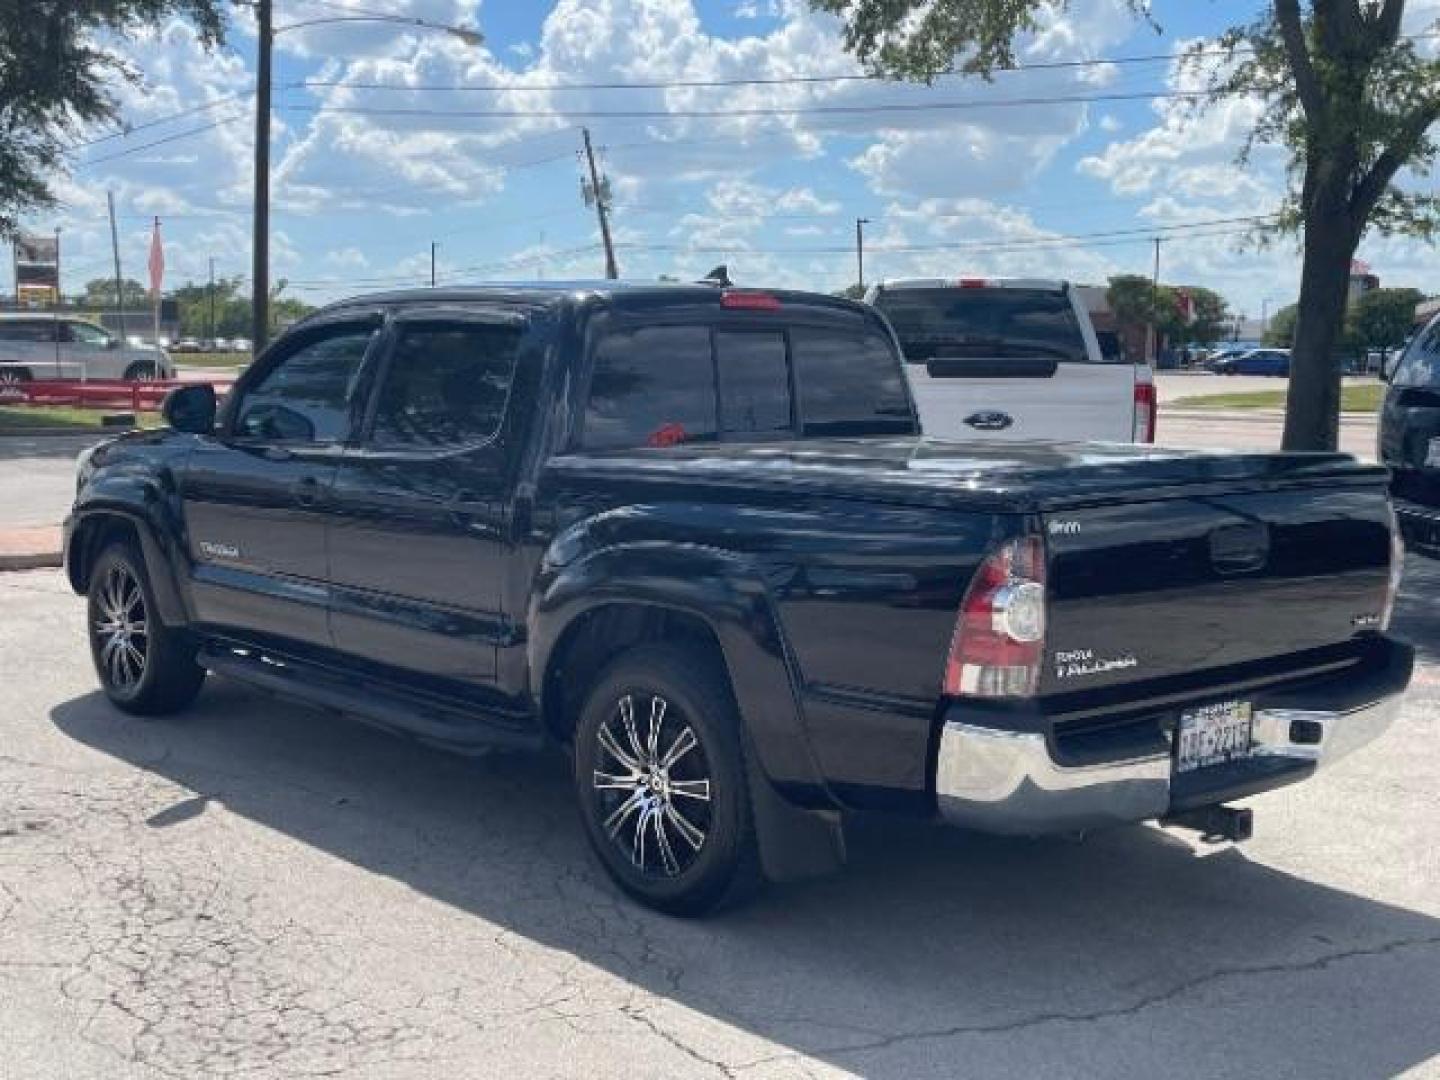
(55, 65)
(1135, 300)
(1381, 318)
(232, 309)
(100, 293)
(1280, 332)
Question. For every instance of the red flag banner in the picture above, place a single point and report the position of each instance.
(157, 261)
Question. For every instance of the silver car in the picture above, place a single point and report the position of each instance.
(38, 346)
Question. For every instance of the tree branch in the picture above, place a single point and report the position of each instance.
(1292, 32)
(1387, 26)
(1373, 184)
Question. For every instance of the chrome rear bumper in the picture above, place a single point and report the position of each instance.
(1008, 782)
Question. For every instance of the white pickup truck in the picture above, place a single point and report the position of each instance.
(1012, 358)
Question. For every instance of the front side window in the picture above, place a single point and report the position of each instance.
(652, 386)
(446, 385)
(89, 336)
(1420, 364)
(307, 396)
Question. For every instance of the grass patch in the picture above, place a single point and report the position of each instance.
(1357, 399)
(20, 418)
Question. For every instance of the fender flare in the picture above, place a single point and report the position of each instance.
(722, 591)
(160, 544)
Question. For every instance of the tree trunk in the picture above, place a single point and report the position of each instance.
(1312, 407)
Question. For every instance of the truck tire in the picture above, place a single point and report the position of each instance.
(660, 779)
(145, 667)
(141, 371)
(14, 376)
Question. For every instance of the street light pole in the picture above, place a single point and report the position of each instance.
(860, 223)
(432, 264)
(260, 245)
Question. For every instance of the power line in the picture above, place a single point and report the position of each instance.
(1178, 231)
(730, 114)
(161, 142)
(126, 130)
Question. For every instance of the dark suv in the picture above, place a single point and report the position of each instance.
(1410, 439)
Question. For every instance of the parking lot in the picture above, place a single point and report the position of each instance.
(262, 889)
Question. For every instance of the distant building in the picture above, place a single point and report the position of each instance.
(1361, 281)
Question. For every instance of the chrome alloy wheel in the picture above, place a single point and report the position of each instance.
(120, 629)
(655, 804)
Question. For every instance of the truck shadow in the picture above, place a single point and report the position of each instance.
(1052, 957)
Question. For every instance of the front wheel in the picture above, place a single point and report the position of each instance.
(660, 777)
(145, 667)
(142, 371)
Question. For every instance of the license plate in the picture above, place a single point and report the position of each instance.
(1213, 735)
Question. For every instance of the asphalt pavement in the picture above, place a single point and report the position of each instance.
(266, 890)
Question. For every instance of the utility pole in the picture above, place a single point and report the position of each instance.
(260, 244)
(211, 333)
(1153, 345)
(115, 250)
(598, 192)
(432, 264)
(860, 223)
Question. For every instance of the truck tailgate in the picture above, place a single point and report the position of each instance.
(1144, 590)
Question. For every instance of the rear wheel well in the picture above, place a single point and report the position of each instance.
(597, 637)
(94, 535)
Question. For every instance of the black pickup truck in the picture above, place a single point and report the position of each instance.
(694, 536)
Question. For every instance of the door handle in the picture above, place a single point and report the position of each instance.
(307, 491)
(990, 420)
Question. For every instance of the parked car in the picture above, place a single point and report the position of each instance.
(1012, 358)
(38, 346)
(241, 345)
(221, 344)
(187, 344)
(1255, 362)
(693, 535)
(1409, 438)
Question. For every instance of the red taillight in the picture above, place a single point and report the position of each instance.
(749, 301)
(999, 639)
(1146, 407)
(973, 282)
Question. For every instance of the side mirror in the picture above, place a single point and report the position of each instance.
(112, 343)
(191, 409)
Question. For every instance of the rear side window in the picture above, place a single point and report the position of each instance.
(849, 384)
(981, 322)
(447, 385)
(1420, 366)
(306, 396)
(754, 383)
(653, 386)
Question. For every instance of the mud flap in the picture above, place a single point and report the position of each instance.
(794, 843)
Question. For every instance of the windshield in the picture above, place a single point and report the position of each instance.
(999, 322)
(1420, 364)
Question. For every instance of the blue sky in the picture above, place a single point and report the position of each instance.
(386, 157)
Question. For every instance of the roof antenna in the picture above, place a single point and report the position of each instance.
(719, 277)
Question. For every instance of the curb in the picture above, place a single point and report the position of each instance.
(30, 547)
(1252, 416)
(35, 560)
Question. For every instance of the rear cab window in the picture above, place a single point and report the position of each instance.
(661, 386)
(992, 322)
